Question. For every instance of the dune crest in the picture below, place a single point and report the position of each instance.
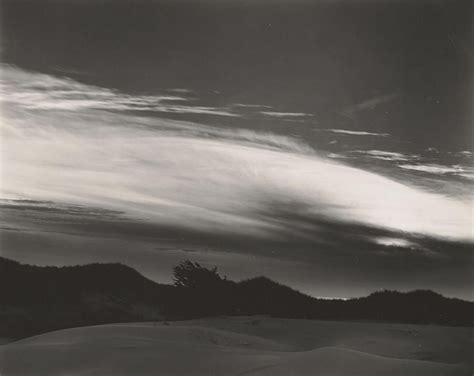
(197, 348)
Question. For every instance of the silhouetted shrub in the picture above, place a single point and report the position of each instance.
(200, 291)
(192, 275)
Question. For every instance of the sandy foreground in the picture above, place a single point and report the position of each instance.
(243, 346)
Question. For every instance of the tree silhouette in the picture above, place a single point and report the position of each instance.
(192, 275)
(201, 291)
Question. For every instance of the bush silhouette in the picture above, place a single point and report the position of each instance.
(192, 275)
(200, 291)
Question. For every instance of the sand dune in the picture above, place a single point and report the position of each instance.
(403, 341)
(223, 346)
(333, 361)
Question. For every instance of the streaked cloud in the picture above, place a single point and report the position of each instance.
(357, 133)
(42, 91)
(180, 90)
(463, 153)
(59, 211)
(336, 156)
(394, 242)
(398, 246)
(247, 105)
(467, 175)
(386, 155)
(368, 104)
(286, 114)
(463, 171)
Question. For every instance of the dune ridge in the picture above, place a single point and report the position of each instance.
(232, 346)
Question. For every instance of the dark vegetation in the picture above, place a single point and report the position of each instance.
(37, 299)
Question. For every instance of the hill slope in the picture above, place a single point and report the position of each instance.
(37, 299)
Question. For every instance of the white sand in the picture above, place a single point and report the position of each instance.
(242, 346)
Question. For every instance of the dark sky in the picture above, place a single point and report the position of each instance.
(309, 56)
(326, 144)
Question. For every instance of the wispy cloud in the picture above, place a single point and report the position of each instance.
(463, 171)
(246, 105)
(180, 90)
(394, 246)
(336, 156)
(387, 155)
(42, 91)
(203, 178)
(66, 212)
(394, 242)
(463, 153)
(368, 104)
(47, 92)
(286, 114)
(357, 133)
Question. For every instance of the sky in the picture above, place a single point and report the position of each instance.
(326, 145)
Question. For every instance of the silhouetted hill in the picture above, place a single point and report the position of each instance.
(34, 299)
(261, 295)
(37, 299)
(419, 306)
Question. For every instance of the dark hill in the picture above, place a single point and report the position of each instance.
(419, 306)
(37, 299)
(261, 295)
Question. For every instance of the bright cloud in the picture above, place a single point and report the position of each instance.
(246, 105)
(204, 178)
(358, 133)
(286, 114)
(42, 91)
(386, 155)
(463, 171)
(394, 242)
